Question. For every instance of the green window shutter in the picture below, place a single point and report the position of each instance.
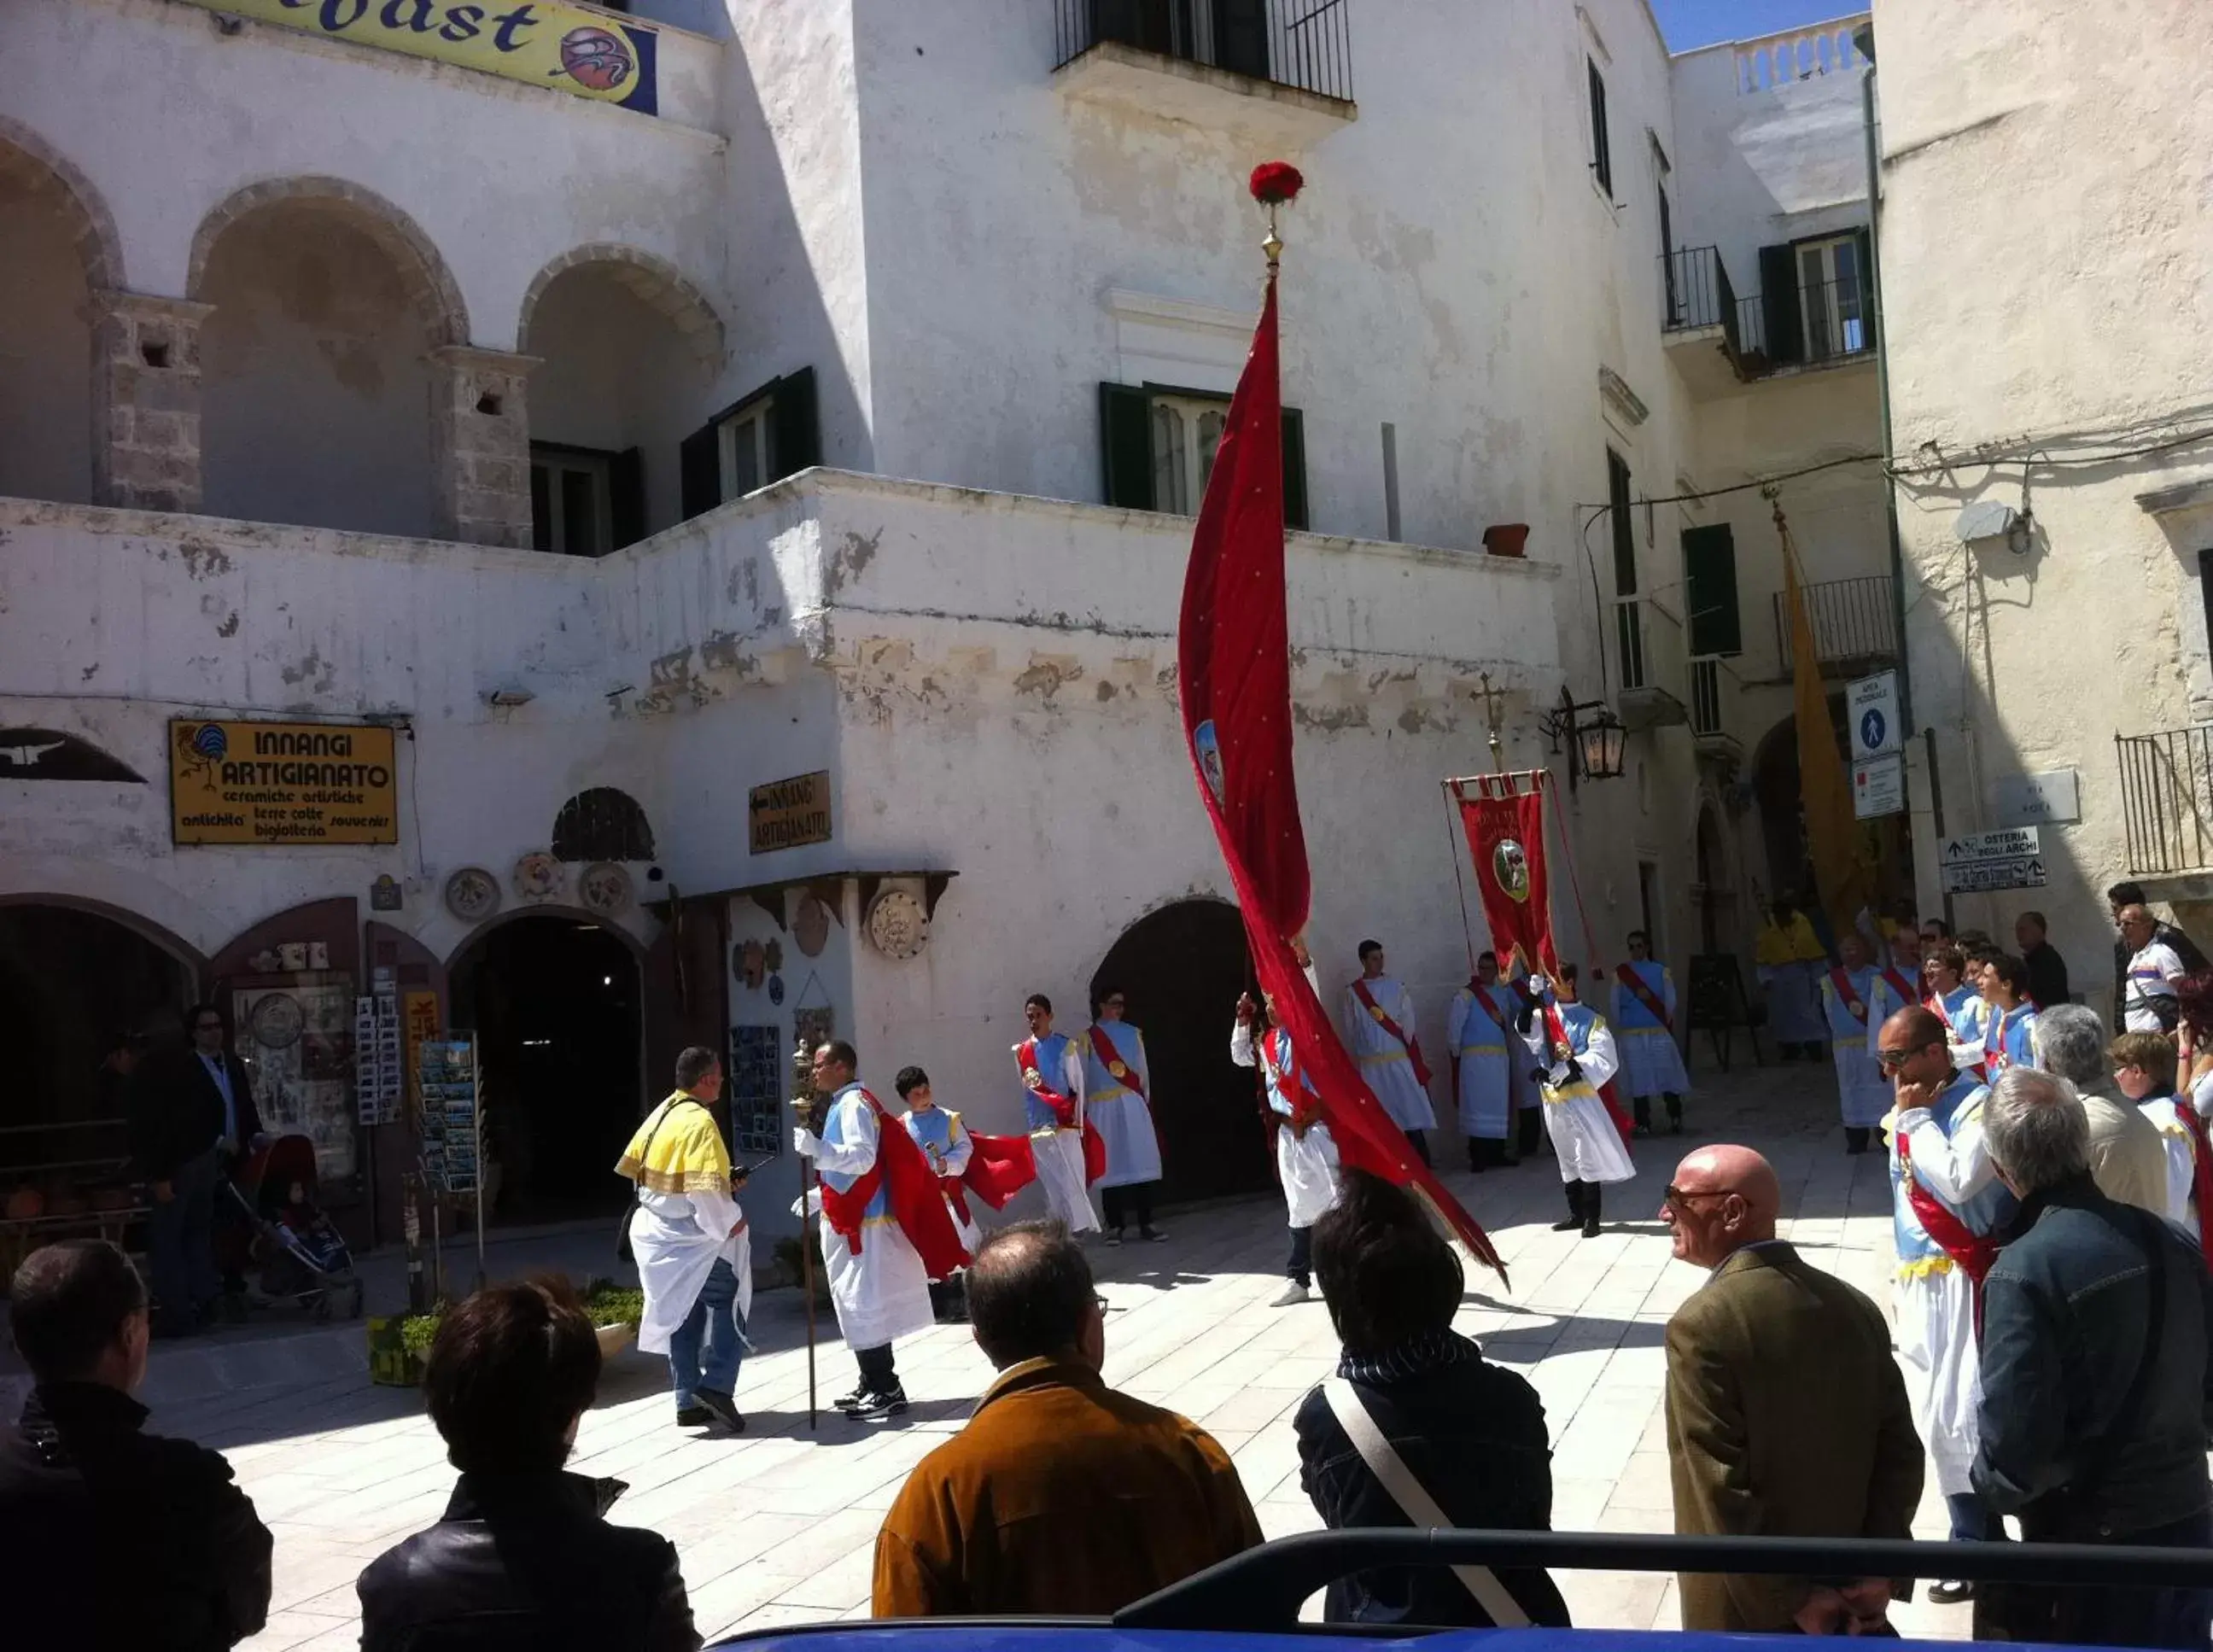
(700, 472)
(795, 435)
(1710, 582)
(1602, 138)
(1779, 304)
(1622, 514)
(1294, 468)
(1126, 446)
(1241, 36)
(1864, 245)
(627, 497)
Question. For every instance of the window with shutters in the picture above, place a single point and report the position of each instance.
(1601, 139)
(1817, 300)
(583, 502)
(1157, 446)
(1710, 589)
(761, 438)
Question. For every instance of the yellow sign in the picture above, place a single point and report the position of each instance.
(585, 53)
(785, 813)
(282, 782)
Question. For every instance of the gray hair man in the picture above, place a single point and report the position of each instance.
(2094, 1365)
(2128, 1160)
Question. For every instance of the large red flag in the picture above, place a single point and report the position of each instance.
(1505, 829)
(1234, 672)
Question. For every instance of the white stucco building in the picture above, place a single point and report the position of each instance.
(841, 417)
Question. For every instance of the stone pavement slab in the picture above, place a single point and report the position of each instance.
(777, 1526)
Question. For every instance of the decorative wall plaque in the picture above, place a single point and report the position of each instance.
(472, 894)
(538, 876)
(604, 887)
(898, 925)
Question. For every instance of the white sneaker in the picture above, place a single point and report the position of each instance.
(1293, 1294)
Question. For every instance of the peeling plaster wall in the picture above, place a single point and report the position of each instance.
(2048, 188)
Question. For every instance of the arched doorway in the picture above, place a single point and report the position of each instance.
(1781, 820)
(1717, 895)
(1181, 969)
(59, 251)
(316, 376)
(71, 983)
(556, 1004)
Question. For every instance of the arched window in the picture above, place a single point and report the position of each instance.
(602, 824)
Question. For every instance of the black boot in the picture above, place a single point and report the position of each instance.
(1855, 1141)
(1674, 1113)
(1575, 1190)
(1641, 1106)
(1475, 1155)
(1590, 1210)
(1529, 1129)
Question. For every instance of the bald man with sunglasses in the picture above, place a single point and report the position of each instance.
(1786, 1415)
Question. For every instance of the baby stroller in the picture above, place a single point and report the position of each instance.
(299, 1254)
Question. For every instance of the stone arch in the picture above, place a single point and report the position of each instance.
(459, 953)
(602, 823)
(654, 279)
(24, 155)
(434, 292)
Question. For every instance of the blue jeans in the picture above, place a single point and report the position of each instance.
(1971, 1522)
(713, 1322)
(180, 1234)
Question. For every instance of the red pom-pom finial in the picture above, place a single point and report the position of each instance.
(1274, 182)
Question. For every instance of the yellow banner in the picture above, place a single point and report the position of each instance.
(585, 53)
(282, 782)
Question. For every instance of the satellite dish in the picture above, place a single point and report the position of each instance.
(1985, 519)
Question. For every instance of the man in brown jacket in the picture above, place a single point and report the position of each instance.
(1060, 1496)
(1786, 1414)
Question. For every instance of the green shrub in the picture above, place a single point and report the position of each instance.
(606, 1303)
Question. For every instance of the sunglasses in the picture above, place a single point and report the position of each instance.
(1679, 1199)
(1891, 1060)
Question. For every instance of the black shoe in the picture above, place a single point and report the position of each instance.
(1590, 1228)
(723, 1408)
(851, 1402)
(693, 1416)
(1591, 1196)
(878, 1408)
(1151, 1236)
(1951, 1591)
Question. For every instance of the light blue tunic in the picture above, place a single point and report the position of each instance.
(1123, 1118)
(1052, 1052)
(1478, 1044)
(1651, 1060)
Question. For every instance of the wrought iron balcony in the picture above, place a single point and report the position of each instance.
(1716, 695)
(1649, 645)
(2167, 800)
(1304, 45)
(1696, 292)
(1854, 621)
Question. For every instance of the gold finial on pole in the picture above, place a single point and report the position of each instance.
(1273, 247)
(1493, 700)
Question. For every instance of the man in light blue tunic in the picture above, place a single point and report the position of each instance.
(1379, 1030)
(1476, 1033)
(1644, 1028)
(1117, 1098)
(1052, 1070)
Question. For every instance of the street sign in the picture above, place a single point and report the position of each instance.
(2010, 858)
(2018, 799)
(1879, 786)
(1871, 710)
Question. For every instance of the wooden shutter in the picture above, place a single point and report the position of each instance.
(795, 435)
(1601, 140)
(1294, 468)
(1779, 304)
(541, 507)
(627, 497)
(1241, 36)
(1624, 527)
(1710, 579)
(1126, 446)
(700, 472)
(1863, 243)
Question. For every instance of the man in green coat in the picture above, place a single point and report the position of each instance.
(1786, 1415)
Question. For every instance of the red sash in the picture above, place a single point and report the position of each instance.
(1305, 1108)
(1644, 994)
(915, 1203)
(1852, 1001)
(1898, 985)
(1412, 1047)
(2201, 1174)
(1119, 1070)
(1064, 1106)
(1482, 996)
(1974, 1252)
(1934, 1005)
(1556, 1030)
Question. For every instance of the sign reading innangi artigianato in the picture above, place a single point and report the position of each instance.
(282, 782)
(585, 53)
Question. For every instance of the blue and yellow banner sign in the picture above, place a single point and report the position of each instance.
(587, 54)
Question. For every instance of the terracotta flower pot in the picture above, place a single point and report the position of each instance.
(1506, 539)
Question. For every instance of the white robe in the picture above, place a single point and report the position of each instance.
(1863, 1094)
(677, 1239)
(1307, 1166)
(2181, 1163)
(1060, 1152)
(883, 1293)
(1385, 1063)
(1588, 1147)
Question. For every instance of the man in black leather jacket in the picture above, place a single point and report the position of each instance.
(114, 1537)
(1470, 1433)
(524, 1557)
(2097, 1388)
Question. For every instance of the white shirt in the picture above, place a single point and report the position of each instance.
(2152, 974)
(219, 1070)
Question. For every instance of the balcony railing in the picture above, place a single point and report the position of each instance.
(1833, 325)
(1853, 621)
(2167, 799)
(1715, 687)
(1778, 60)
(1305, 44)
(1649, 645)
(1696, 292)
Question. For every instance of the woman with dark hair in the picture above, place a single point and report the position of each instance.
(1418, 1429)
(2193, 1035)
(524, 1556)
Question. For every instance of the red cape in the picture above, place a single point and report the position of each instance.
(999, 1167)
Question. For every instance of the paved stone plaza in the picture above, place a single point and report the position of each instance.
(777, 1526)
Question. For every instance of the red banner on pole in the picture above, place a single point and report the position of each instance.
(1504, 821)
(1233, 676)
